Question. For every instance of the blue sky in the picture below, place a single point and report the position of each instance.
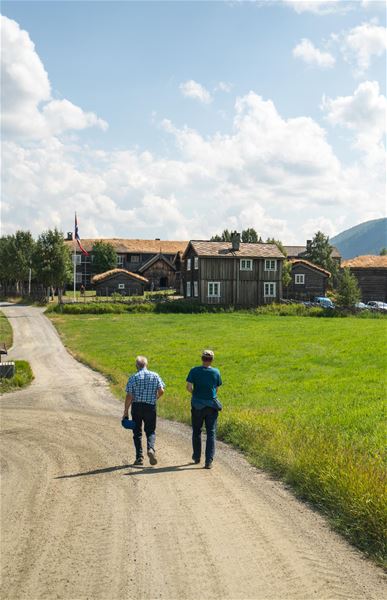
(192, 104)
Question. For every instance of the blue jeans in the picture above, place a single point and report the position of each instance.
(143, 412)
(209, 417)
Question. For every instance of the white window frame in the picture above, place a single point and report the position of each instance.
(246, 264)
(77, 258)
(188, 289)
(270, 264)
(213, 292)
(135, 258)
(299, 279)
(78, 277)
(269, 289)
(188, 264)
(195, 289)
(120, 260)
(196, 262)
(121, 286)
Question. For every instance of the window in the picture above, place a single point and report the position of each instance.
(120, 260)
(246, 264)
(299, 278)
(188, 264)
(270, 265)
(213, 289)
(77, 258)
(188, 289)
(78, 277)
(269, 289)
(121, 286)
(196, 293)
(135, 258)
(196, 262)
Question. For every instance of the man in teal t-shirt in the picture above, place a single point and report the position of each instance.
(203, 383)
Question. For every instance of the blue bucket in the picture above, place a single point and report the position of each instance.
(128, 423)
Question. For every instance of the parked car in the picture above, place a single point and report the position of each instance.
(324, 302)
(361, 305)
(376, 304)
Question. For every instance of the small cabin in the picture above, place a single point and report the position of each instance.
(371, 274)
(119, 281)
(308, 280)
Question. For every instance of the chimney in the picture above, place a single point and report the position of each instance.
(69, 236)
(235, 240)
(157, 239)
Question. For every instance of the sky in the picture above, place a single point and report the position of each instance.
(177, 120)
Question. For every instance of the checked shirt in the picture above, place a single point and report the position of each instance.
(144, 385)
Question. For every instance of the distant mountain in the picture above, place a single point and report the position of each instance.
(366, 238)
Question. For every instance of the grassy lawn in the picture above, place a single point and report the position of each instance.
(23, 375)
(303, 397)
(5, 330)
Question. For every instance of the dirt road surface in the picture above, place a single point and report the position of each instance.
(79, 522)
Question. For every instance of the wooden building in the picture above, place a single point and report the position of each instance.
(371, 274)
(119, 281)
(232, 273)
(308, 280)
(153, 259)
(300, 252)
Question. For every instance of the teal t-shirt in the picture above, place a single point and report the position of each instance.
(205, 380)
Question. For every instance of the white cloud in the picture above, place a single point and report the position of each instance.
(268, 172)
(307, 52)
(193, 89)
(28, 111)
(362, 43)
(224, 86)
(364, 114)
(320, 7)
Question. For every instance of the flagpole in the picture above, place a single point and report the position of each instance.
(74, 259)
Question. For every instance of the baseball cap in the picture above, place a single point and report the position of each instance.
(208, 354)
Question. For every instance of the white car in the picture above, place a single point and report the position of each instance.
(376, 304)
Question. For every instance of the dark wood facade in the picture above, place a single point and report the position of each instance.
(119, 281)
(308, 281)
(371, 274)
(223, 278)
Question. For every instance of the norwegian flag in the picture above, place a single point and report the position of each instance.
(78, 239)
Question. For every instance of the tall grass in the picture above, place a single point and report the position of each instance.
(302, 397)
(5, 330)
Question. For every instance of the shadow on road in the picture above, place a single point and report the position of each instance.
(95, 472)
(139, 470)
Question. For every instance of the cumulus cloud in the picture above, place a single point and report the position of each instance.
(311, 55)
(362, 43)
(193, 89)
(224, 86)
(364, 113)
(28, 110)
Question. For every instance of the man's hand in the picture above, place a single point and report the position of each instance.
(189, 387)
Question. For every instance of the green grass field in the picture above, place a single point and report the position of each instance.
(302, 397)
(23, 375)
(5, 330)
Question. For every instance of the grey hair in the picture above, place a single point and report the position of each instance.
(141, 362)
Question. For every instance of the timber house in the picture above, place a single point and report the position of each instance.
(308, 280)
(152, 259)
(371, 274)
(232, 273)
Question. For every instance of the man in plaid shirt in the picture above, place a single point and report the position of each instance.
(142, 391)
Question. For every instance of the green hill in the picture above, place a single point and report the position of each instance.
(366, 238)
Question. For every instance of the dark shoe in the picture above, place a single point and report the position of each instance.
(152, 456)
(196, 460)
(139, 461)
(208, 465)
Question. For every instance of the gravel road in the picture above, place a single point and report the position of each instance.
(79, 522)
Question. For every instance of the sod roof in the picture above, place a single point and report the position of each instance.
(368, 261)
(108, 274)
(135, 246)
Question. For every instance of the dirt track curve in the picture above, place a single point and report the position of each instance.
(79, 522)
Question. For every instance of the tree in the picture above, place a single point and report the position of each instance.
(286, 266)
(53, 260)
(383, 251)
(319, 252)
(249, 236)
(16, 256)
(348, 292)
(279, 245)
(104, 257)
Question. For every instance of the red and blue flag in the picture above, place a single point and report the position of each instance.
(78, 239)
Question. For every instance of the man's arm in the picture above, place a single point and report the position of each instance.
(159, 392)
(189, 387)
(128, 402)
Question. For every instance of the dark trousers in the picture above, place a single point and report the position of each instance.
(209, 417)
(144, 413)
